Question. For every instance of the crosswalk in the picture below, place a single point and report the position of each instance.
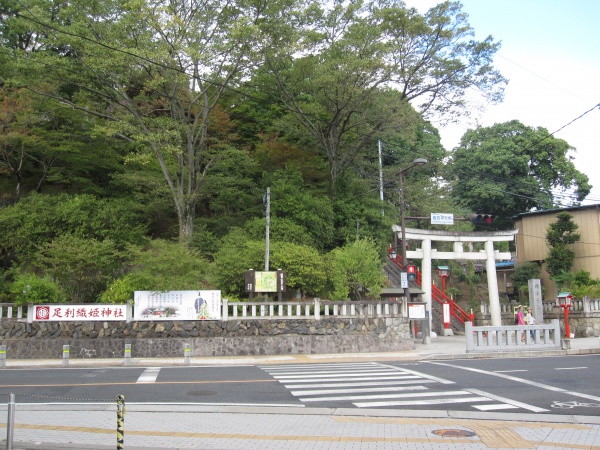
(375, 385)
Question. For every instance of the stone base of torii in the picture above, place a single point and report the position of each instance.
(427, 254)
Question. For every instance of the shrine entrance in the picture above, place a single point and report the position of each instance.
(459, 238)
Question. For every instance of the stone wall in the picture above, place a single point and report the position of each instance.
(206, 338)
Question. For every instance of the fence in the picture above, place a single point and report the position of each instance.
(510, 338)
(11, 311)
(317, 309)
(589, 305)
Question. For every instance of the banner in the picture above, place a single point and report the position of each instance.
(177, 305)
(79, 313)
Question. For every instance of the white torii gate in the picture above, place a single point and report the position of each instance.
(426, 253)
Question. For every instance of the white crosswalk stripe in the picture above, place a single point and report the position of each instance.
(374, 385)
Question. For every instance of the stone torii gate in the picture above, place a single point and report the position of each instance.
(426, 253)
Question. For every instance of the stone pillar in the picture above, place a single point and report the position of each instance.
(490, 265)
(426, 276)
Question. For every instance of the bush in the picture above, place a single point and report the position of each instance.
(30, 288)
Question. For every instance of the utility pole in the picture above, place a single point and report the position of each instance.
(380, 177)
(267, 231)
(268, 217)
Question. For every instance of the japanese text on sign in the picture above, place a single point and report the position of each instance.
(79, 312)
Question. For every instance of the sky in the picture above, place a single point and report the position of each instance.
(550, 54)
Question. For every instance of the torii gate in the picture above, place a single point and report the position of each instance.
(426, 253)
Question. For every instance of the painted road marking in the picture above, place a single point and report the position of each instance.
(519, 380)
(149, 375)
(569, 368)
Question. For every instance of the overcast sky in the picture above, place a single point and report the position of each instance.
(551, 56)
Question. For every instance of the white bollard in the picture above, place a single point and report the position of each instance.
(65, 361)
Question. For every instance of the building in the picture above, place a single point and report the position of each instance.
(531, 241)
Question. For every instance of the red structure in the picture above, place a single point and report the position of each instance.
(565, 301)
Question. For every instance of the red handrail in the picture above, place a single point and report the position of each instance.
(438, 295)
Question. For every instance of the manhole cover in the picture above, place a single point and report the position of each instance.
(454, 433)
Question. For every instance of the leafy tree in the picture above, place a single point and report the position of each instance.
(81, 267)
(154, 72)
(522, 274)
(356, 270)
(560, 235)
(339, 80)
(31, 288)
(160, 266)
(304, 267)
(510, 168)
(38, 219)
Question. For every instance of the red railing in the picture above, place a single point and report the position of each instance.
(439, 296)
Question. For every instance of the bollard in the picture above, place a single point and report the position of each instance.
(127, 355)
(10, 423)
(120, 421)
(65, 355)
(2, 356)
(186, 353)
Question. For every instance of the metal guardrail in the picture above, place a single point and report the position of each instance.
(512, 337)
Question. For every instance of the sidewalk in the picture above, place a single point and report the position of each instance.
(194, 426)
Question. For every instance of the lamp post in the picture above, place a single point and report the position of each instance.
(416, 162)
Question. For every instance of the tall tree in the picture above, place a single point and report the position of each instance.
(510, 168)
(155, 71)
(560, 235)
(355, 66)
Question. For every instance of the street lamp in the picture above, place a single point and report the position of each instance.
(416, 162)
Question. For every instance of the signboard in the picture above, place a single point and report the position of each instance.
(79, 313)
(265, 281)
(177, 305)
(442, 219)
(446, 312)
(416, 311)
(403, 280)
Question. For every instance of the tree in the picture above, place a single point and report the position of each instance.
(154, 71)
(356, 270)
(340, 78)
(510, 168)
(560, 235)
(159, 265)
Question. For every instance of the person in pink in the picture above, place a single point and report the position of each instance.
(521, 321)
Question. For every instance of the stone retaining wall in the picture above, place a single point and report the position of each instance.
(206, 338)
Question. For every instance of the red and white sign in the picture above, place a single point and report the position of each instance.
(79, 313)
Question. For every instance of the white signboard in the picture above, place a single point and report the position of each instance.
(177, 305)
(403, 280)
(79, 313)
(446, 312)
(442, 219)
(416, 311)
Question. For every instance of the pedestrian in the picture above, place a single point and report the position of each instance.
(521, 321)
(531, 321)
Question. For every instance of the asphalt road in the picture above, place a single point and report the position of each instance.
(549, 385)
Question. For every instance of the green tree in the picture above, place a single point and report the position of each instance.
(560, 236)
(522, 274)
(339, 80)
(160, 265)
(356, 270)
(510, 168)
(154, 71)
(30, 288)
(81, 267)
